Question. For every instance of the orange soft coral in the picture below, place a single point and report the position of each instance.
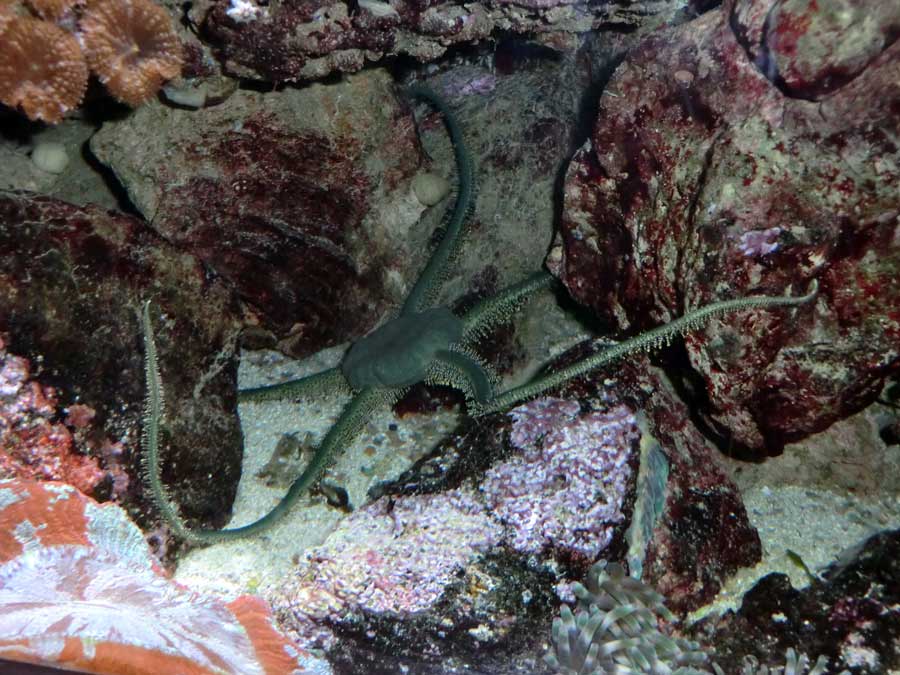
(52, 10)
(7, 14)
(132, 47)
(42, 69)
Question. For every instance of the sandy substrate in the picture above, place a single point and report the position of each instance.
(387, 446)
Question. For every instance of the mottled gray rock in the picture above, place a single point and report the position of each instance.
(290, 41)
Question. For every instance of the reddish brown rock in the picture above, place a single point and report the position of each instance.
(301, 41)
(704, 534)
(810, 49)
(703, 180)
(72, 282)
(299, 199)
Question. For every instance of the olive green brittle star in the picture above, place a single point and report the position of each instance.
(424, 343)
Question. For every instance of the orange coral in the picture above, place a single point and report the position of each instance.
(7, 14)
(52, 10)
(132, 47)
(42, 69)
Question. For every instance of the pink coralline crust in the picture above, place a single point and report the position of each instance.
(31, 444)
(563, 489)
(567, 488)
(704, 180)
(395, 557)
(79, 589)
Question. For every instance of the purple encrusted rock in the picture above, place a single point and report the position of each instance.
(393, 558)
(567, 487)
(457, 567)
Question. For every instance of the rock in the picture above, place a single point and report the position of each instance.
(300, 199)
(454, 563)
(42, 441)
(811, 49)
(304, 200)
(452, 567)
(849, 614)
(292, 42)
(74, 279)
(703, 180)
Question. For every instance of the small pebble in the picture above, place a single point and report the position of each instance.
(50, 157)
(430, 188)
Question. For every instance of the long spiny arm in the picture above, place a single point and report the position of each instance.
(345, 429)
(497, 309)
(426, 289)
(153, 413)
(463, 370)
(328, 381)
(353, 418)
(650, 340)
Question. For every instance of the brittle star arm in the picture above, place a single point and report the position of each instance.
(345, 429)
(327, 381)
(426, 289)
(648, 341)
(479, 320)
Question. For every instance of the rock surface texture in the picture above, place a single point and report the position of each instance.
(739, 154)
(72, 281)
(298, 199)
(302, 41)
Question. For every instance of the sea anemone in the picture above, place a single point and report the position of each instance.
(42, 69)
(131, 45)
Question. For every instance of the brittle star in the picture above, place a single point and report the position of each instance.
(423, 343)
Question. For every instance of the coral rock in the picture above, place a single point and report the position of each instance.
(73, 280)
(568, 487)
(32, 444)
(80, 590)
(707, 176)
(299, 199)
(298, 41)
